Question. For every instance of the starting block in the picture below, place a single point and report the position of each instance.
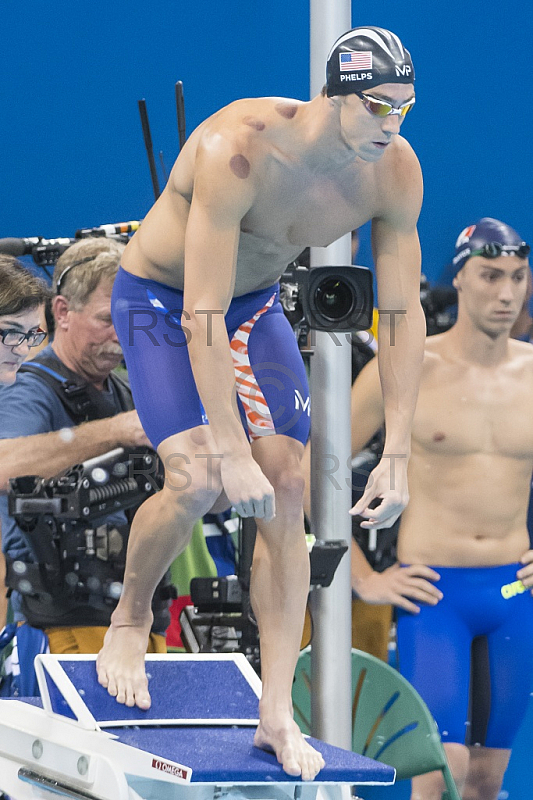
(194, 743)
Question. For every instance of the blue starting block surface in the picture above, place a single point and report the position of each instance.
(198, 730)
(184, 690)
(228, 755)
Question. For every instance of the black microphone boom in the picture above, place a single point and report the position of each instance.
(44, 252)
(18, 247)
(180, 109)
(149, 147)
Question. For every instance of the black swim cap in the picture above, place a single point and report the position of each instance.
(366, 57)
(489, 238)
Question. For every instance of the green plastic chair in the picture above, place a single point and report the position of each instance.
(390, 721)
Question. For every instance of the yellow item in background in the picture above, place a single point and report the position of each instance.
(90, 639)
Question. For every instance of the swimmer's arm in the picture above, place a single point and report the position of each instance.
(401, 331)
(224, 191)
(402, 327)
(367, 417)
(367, 410)
(48, 454)
(220, 201)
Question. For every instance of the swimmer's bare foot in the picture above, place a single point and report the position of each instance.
(293, 752)
(120, 665)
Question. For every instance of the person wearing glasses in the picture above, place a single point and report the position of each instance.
(43, 432)
(464, 576)
(22, 298)
(90, 348)
(252, 187)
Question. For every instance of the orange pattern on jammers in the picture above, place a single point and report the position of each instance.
(260, 422)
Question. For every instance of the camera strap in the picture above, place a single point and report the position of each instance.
(54, 603)
(82, 401)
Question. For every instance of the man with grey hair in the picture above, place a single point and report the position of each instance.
(55, 435)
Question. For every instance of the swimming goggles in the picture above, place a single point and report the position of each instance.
(495, 249)
(380, 108)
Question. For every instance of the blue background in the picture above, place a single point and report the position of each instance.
(71, 148)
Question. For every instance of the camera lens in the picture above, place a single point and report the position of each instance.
(334, 299)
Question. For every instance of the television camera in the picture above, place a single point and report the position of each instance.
(79, 557)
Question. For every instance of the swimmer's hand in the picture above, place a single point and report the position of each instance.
(385, 495)
(247, 488)
(526, 574)
(398, 586)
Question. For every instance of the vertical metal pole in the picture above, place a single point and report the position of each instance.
(331, 703)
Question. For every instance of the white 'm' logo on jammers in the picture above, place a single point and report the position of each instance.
(299, 402)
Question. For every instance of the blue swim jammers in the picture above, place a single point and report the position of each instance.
(273, 394)
(470, 656)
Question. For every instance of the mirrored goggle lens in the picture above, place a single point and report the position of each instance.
(377, 108)
(406, 109)
(382, 109)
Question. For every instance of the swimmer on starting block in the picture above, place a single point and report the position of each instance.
(464, 581)
(254, 185)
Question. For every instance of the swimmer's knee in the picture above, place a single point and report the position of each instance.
(458, 756)
(192, 465)
(189, 500)
(288, 484)
(486, 772)
(194, 485)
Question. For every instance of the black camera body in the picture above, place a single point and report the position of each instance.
(114, 481)
(78, 546)
(328, 298)
(439, 306)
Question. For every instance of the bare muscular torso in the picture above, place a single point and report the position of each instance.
(472, 459)
(298, 204)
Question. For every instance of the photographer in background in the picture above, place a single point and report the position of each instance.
(22, 298)
(69, 406)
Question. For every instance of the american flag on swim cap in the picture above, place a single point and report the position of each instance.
(355, 61)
